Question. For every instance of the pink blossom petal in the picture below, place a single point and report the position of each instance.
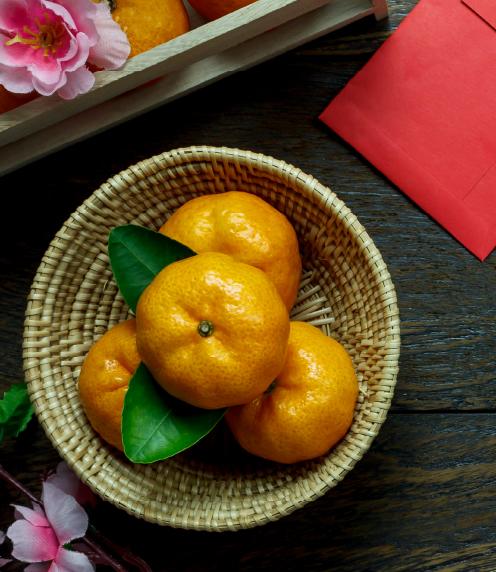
(60, 11)
(32, 543)
(66, 516)
(67, 481)
(71, 51)
(4, 561)
(16, 55)
(50, 75)
(48, 89)
(112, 49)
(70, 561)
(34, 517)
(64, 479)
(83, 13)
(48, 72)
(80, 57)
(78, 82)
(16, 80)
(37, 509)
(13, 15)
(38, 567)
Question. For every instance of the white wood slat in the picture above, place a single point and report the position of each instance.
(132, 103)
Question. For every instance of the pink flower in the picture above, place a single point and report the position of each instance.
(46, 44)
(40, 536)
(65, 480)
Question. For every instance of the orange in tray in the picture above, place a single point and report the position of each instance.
(105, 377)
(310, 406)
(149, 23)
(213, 9)
(247, 228)
(212, 331)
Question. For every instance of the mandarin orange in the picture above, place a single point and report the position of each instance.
(247, 228)
(310, 406)
(104, 379)
(212, 331)
(149, 23)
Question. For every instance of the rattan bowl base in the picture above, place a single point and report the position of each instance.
(74, 300)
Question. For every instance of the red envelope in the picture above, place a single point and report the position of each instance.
(423, 111)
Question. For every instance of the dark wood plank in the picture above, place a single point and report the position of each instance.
(422, 500)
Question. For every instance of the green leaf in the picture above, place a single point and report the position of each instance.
(155, 425)
(15, 411)
(137, 255)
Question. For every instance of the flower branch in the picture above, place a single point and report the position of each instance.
(39, 535)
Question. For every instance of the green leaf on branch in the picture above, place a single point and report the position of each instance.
(155, 425)
(137, 255)
(15, 411)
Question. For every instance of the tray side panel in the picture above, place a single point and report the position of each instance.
(145, 98)
(178, 53)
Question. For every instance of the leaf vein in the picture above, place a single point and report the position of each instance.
(140, 260)
(152, 434)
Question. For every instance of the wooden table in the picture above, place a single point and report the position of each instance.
(424, 497)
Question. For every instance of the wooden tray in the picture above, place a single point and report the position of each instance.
(210, 51)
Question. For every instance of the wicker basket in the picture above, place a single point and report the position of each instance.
(74, 300)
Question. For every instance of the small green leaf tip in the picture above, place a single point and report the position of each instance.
(16, 411)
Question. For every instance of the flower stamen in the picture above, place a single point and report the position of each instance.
(45, 48)
(48, 36)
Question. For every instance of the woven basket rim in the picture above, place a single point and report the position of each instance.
(179, 156)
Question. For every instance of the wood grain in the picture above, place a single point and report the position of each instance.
(423, 499)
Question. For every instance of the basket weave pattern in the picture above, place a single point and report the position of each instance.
(74, 300)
